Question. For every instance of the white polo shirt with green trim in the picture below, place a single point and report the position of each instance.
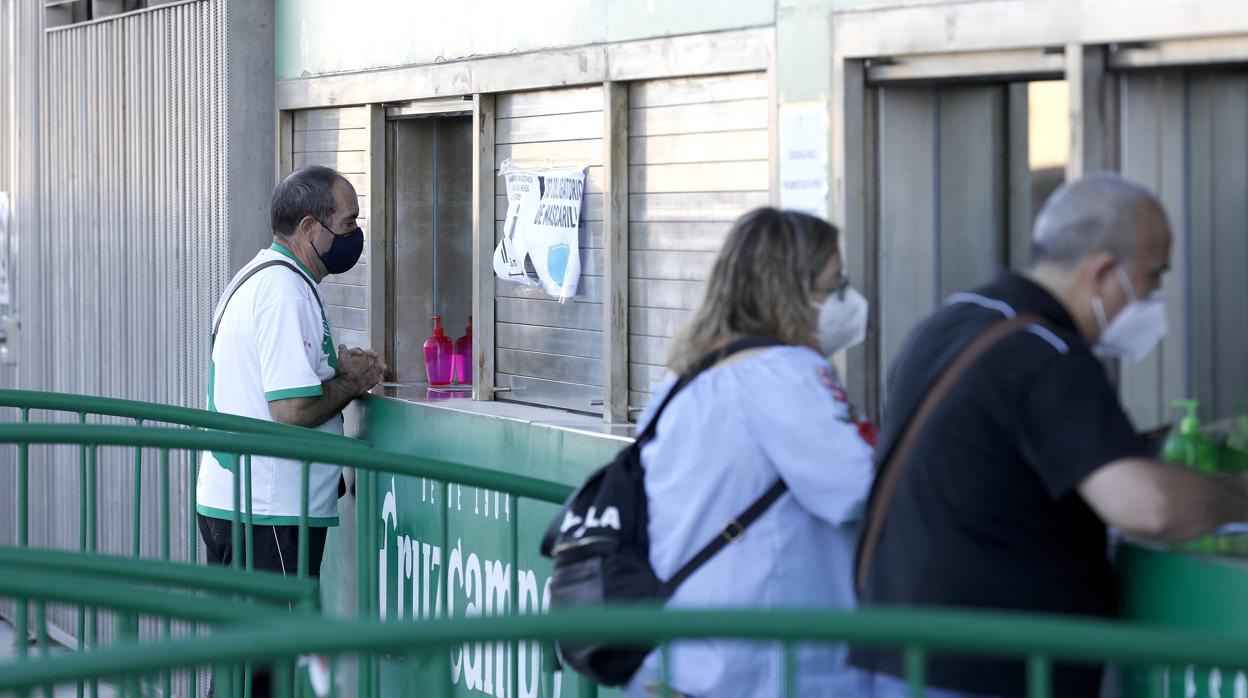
(273, 343)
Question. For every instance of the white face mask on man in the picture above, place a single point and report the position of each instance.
(1136, 329)
(842, 321)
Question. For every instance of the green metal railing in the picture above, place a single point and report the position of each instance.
(1036, 640)
(241, 438)
(222, 597)
(170, 592)
(87, 407)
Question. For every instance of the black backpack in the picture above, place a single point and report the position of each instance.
(601, 545)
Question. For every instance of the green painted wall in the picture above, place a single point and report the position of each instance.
(1186, 591)
(450, 550)
(327, 36)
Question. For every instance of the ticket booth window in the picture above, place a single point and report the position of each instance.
(429, 260)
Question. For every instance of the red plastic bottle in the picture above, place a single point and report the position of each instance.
(439, 355)
(463, 356)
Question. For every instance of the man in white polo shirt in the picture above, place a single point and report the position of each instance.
(274, 358)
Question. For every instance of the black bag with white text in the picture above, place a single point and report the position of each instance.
(601, 545)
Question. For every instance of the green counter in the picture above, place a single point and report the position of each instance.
(455, 551)
(1186, 590)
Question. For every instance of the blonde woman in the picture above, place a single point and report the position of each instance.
(760, 416)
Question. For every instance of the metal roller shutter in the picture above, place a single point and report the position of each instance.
(551, 353)
(698, 158)
(339, 138)
(1185, 135)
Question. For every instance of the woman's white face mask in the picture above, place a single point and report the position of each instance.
(842, 321)
(1136, 329)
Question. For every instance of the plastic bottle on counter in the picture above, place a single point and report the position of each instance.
(463, 356)
(439, 355)
(1189, 446)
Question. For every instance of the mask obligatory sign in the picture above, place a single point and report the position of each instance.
(542, 228)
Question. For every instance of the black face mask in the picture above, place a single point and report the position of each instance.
(343, 252)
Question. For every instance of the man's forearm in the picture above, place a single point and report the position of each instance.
(1200, 504)
(312, 412)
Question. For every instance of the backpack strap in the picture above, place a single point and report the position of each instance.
(706, 363)
(890, 469)
(216, 323)
(732, 531)
(735, 528)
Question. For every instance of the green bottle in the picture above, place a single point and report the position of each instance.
(1189, 446)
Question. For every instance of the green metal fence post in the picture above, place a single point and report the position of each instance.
(283, 675)
(249, 534)
(789, 663)
(513, 607)
(374, 662)
(82, 539)
(916, 670)
(236, 524)
(192, 552)
(41, 635)
(23, 487)
(665, 670)
(305, 471)
(166, 633)
(21, 632)
(93, 619)
(165, 523)
(1039, 676)
(362, 553)
(137, 515)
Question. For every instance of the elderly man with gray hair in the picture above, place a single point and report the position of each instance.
(1005, 452)
(274, 358)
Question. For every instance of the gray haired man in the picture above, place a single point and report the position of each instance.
(1004, 500)
(274, 358)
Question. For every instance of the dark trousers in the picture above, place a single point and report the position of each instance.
(276, 550)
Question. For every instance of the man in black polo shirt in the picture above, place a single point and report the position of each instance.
(1004, 500)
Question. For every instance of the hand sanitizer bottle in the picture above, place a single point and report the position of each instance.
(439, 355)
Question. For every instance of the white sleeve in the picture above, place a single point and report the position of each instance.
(801, 420)
(288, 342)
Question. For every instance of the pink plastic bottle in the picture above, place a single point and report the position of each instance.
(463, 356)
(439, 355)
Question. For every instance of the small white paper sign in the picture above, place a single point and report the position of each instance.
(804, 158)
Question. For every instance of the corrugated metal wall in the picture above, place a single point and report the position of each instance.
(8, 143)
(1185, 134)
(8, 170)
(698, 159)
(132, 253)
(551, 353)
(8, 52)
(338, 138)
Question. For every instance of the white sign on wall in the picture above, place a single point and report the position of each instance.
(543, 226)
(804, 158)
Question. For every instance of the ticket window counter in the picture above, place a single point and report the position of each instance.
(429, 255)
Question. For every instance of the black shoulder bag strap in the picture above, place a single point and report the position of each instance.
(890, 469)
(252, 272)
(735, 528)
